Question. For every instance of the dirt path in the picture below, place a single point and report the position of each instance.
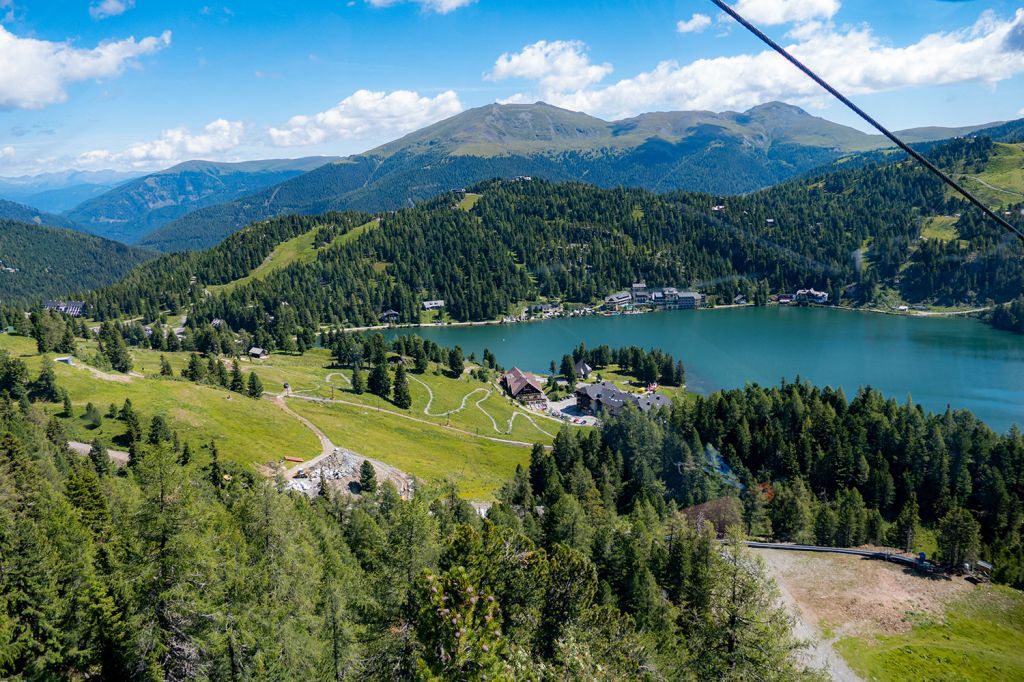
(835, 596)
(326, 446)
(118, 457)
(993, 187)
(819, 653)
(392, 413)
(460, 408)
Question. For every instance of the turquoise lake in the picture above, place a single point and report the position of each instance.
(939, 361)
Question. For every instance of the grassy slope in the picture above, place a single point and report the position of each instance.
(1005, 171)
(258, 432)
(981, 638)
(469, 201)
(940, 227)
(299, 249)
(476, 465)
(247, 431)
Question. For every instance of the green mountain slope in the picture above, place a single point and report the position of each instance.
(855, 233)
(43, 262)
(724, 153)
(141, 205)
(10, 210)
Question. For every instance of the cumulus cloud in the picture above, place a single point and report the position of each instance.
(174, 144)
(110, 8)
(853, 59)
(557, 66)
(35, 73)
(366, 114)
(772, 12)
(695, 24)
(438, 6)
(7, 152)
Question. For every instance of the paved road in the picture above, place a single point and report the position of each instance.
(118, 457)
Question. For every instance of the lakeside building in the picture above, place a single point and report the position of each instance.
(606, 397)
(524, 387)
(433, 305)
(69, 308)
(668, 298)
(811, 296)
(582, 369)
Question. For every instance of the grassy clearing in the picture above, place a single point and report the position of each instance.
(311, 375)
(469, 201)
(942, 228)
(1002, 181)
(301, 249)
(247, 431)
(981, 637)
(476, 465)
(257, 432)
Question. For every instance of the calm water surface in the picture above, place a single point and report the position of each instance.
(939, 361)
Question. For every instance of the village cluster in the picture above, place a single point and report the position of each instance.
(588, 402)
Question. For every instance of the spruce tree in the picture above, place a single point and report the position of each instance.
(380, 380)
(237, 381)
(367, 478)
(165, 367)
(401, 396)
(255, 386)
(358, 381)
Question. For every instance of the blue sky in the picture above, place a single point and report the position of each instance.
(144, 84)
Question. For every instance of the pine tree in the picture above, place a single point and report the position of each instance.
(401, 396)
(358, 381)
(380, 381)
(904, 530)
(456, 362)
(99, 457)
(959, 538)
(237, 381)
(367, 478)
(165, 367)
(255, 386)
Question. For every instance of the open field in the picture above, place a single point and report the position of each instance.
(476, 465)
(255, 433)
(251, 432)
(940, 227)
(469, 201)
(889, 623)
(1002, 181)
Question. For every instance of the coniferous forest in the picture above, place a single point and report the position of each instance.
(849, 232)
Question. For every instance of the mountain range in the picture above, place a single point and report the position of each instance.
(722, 153)
(134, 208)
(196, 204)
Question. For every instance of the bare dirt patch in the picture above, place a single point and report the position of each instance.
(847, 595)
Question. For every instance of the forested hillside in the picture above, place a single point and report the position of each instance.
(43, 262)
(135, 208)
(10, 210)
(854, 233)
(722, 153)
(183, 566)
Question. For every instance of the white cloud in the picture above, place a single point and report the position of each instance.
(35, 73)
(438, 6)
(695, 24)
(173, 145)
(110, 8)
(854, 60)
(557, 66)
(771, 12)
(365, 114)
(7, 152)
